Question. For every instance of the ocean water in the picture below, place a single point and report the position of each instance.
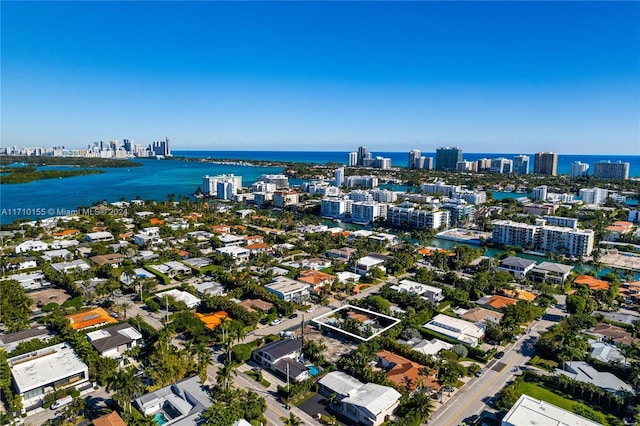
(153, 181)
(400, 159)
(158, 178)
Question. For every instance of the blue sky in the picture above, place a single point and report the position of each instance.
(485, 76)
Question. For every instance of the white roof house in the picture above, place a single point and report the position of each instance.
(178, 404)
(44, 370)
(427, 347)
(31, 245)
(461, 330)
(288, 289)
(50, 254)
(365, 264)
(181, 296)
(172, 268)
(427, 292)
(367, 404)
(31, 281)
(531, 411)
(240, 254)
(74, 265)
(93, 237)
(346, 275)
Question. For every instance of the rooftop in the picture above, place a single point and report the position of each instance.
(45, 366)
(531, 411)
(91, 318)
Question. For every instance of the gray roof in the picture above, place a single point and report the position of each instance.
(554, 267)
(340, 383)
(112, 337)
(518, 262)
(373, 398)
(29, 334)
(280, 348)
(583, 372)
(295, 368)
(188, 396)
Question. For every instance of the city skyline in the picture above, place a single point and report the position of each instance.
(488, 77)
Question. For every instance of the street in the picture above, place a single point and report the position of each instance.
(472, 398)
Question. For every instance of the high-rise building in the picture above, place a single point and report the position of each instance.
(545, 163)
(540, 193)
(353, 159)
(593, 195)
(128, 145)
(210, 183)
(362, 154)
(339, 177)
(414, 159)
(160, 148)
(501, 165)
(281, 181)
(521, 164)
(382, 163)
(609, 170)
(579, 168)
(447, 158)
(428, 163)
(467, 166)
(484, 164)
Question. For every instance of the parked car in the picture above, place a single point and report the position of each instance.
(499, 355)
(293, 315)
(479, 373)
(62, 402)
(276, 322)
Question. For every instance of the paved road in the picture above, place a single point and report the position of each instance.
(472, 398)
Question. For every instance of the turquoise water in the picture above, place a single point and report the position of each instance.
(313, 370)
(160, 418)
(153, 181)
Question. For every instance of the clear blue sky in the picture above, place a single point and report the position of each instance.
(488, 77)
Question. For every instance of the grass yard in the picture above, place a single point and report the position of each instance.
(539, 392)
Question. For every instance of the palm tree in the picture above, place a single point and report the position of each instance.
(125, 386)
(292, 420)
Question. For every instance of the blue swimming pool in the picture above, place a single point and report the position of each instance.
(160, 418)
(313, 370)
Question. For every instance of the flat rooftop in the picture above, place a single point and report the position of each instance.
(45, 366)
(531, 411)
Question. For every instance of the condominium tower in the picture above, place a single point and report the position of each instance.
(609, 170)
(521, 164)
(545, 163)
(447, 158)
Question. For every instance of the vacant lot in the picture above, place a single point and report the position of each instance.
(337, 347)
(43, 297)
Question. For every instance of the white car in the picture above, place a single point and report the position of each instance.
(276, 322)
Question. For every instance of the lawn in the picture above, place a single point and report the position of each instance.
(538, 392)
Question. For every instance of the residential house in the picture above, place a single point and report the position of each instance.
(281, 357)
(406, 373)
(592, 282)
(480, 315)
(583, 372)
(255, 304)
(179, 296)
(367, 263)
(427, 292)
(113, 259)
(516, 266)
(288, 289)
(110, 419)
(343, 254)
(458, 329)
(46, 370)
(316, 279)
(91, 318)
(550, 272)
(316, 263)
(428, 347)
(94, 237)
(31, 281)
(528, 411)
(496, 301)
(364, 404)
(113, 342)
(10, 341)
(172, 269)
(181, 403)
(74, 265)
(31, 245)
(239, 254)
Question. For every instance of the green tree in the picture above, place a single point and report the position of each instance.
(292, 420)
(125, 385)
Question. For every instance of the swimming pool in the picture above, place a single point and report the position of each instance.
(313, 370)
(160, 418)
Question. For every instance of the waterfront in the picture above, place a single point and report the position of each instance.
(155, 180)
(399, 159)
